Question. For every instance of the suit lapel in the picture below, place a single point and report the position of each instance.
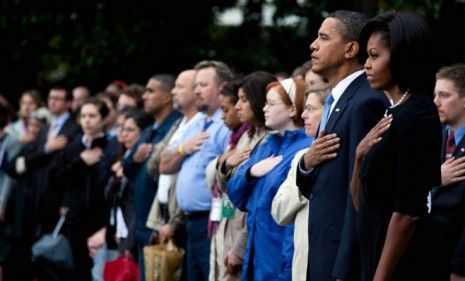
(459, 152)
(65, 126)
(343, 102)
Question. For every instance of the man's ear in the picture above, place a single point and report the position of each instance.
(351, 49)
(222, 85)
(462, 100)
(167, 98)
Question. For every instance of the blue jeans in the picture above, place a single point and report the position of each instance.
(101, 257)
(198, 248)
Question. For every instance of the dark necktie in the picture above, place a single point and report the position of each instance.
(206, 124)
(151, 134)
(450, 144)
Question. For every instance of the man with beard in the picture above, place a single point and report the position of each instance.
(203, 141)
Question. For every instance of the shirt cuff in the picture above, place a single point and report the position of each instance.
(303, 171)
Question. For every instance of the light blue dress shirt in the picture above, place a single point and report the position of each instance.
(192, 193)
(458, 134)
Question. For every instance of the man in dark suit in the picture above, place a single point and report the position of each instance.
(448, 201)
(51, 140)
(324, 172)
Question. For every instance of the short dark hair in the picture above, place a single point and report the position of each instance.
(352, 23)
(68, 94)
(135, 91)
(230, 91)
(100, 104)
(166, 81)
(413, 61)
(141, 118)
(456, 74)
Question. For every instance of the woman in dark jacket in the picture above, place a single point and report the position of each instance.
(119, 191)
(83, 174)
(398, 161)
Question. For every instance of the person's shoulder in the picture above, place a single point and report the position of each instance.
(112, 141)
(301, 136)
(420, 105)
(420, 113)
(369, 94)
(70, 121)
(11, 142)
(364, 93)
(174, 116)
(370, 99)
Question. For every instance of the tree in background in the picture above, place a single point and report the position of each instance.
(94, 42)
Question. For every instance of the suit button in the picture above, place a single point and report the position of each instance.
(310, 197)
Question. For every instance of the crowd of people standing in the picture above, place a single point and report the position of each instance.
(350, 169)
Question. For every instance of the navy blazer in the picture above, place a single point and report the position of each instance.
(332, 240)
(145, 187)
(448, 214)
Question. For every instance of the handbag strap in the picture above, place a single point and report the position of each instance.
(57, 229)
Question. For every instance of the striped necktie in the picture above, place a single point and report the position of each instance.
(450, 144)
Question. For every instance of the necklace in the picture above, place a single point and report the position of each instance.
(402, 98)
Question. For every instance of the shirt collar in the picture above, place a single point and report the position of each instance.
(87, 143)
(458, 134)
(216, 116)
(340, 87)
(61, 119)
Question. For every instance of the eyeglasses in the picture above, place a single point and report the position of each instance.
(56, 98)
(272, 103)
(128, 129)
(311, 109)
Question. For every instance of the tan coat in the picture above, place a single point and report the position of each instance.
(154, 219)
(231, 233)
(176, 220)
(290, 207)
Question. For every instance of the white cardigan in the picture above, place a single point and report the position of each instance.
(290, 207)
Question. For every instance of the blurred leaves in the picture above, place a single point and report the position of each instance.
(93, 42)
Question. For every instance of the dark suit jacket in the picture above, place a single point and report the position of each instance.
(332, 241)
(41, 164)
(83, 185)
(448, 213)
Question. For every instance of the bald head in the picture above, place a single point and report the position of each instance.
(184, 98)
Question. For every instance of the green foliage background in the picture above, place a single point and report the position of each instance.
(93, 42)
